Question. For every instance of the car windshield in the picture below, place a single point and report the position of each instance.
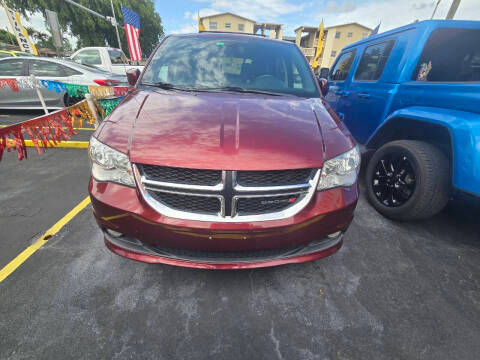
(226, 63)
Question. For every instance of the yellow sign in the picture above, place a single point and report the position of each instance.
(200, 25)
(20, 33)
(319, 47)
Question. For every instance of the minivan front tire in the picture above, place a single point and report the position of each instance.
(408, 180)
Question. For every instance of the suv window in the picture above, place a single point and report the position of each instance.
(117, 56)
(214, 62)
(342, 66)
(11, 67)
(373, 61)
(88, 57)
(4, 55)
(45, 68)
(450, 55)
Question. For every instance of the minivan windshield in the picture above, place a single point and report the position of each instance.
(220, 62)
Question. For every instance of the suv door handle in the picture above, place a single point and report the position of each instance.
(364, 95)
(342, 93)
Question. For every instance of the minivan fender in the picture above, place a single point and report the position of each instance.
(463, 129)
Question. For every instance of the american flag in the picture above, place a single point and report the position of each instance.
(132, 28)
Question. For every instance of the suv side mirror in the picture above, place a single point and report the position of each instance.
(323, 85)
(132, 76)
(324, 72)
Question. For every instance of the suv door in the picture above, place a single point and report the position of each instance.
(13, 68)
(369, 95)
(338, 80)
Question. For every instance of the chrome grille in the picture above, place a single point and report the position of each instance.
(191, 203)
(226, 196)
(261, 204)
(273, 177)
(182, 175)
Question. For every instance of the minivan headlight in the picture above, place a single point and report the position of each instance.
(109, 164)
(341, 170)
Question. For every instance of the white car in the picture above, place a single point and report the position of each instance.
(66, 71)
(105, 58)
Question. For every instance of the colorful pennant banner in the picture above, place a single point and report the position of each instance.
(73, 90)
(106, 106)
(44, 131)
(47, 130)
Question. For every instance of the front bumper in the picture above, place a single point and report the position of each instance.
(151, 237)
(136, 250)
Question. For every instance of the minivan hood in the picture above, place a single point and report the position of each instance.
(226, 131)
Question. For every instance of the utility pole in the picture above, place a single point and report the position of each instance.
(453, 9)
(116, 28)
(112, 20)
(435, 10)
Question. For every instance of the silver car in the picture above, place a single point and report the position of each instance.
(49, 69)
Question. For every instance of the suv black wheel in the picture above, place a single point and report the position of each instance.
(408, 180)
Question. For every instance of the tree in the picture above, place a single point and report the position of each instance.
(7, 37)
(92, 30)
(36, 35)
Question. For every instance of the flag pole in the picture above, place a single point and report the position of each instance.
(116, 28)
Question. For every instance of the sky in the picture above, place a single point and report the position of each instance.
(180, 16)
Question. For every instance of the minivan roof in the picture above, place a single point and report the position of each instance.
(418, 25)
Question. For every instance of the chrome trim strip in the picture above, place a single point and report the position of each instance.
(218, 187)
(222, 217)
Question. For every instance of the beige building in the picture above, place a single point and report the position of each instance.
(335, 39)
(228, 22)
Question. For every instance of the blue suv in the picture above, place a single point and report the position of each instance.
(412, 96)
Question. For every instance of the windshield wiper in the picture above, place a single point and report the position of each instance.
(167, 86)
(242, 90)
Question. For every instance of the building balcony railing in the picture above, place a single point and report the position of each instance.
(308, 51)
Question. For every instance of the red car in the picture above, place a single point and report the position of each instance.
(224, 156)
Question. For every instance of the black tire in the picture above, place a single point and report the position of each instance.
(430, 181)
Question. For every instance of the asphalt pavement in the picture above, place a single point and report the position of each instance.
(394, 291)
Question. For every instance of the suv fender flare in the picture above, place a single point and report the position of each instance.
(463, 128)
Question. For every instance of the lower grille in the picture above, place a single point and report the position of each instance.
(196, 204)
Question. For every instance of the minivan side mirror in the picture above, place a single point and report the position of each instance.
(323, 85)
(132, 76)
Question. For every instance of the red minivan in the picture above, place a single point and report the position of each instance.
(224, 156)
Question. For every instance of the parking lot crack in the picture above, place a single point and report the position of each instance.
(276, 342)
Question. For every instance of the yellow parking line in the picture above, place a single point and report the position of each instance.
(88, 129)
(60, 144)
(29, 251)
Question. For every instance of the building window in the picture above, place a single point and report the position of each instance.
(364, 35)
(213, 25)
(337, 35)
(350, 34)
(228, 25)
(241, 27)
(333, 54)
